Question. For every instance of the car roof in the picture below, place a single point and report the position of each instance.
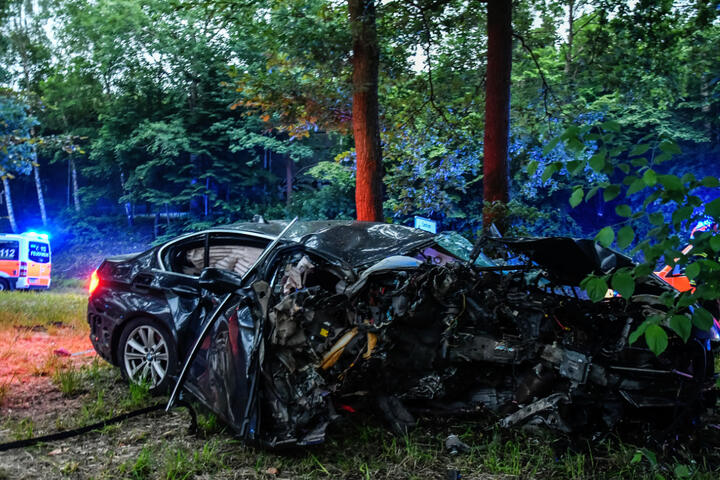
(355, 243)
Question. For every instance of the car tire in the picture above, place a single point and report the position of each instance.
(4, 285)
(147, 354)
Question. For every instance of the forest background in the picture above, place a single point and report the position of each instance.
(138, 120)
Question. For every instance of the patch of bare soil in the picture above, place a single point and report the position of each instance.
(29, 356)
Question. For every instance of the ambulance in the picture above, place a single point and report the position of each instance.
(25, 261)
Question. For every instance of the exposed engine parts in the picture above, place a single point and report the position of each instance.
(412, 336)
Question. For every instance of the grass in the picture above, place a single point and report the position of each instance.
(67, 379)
(44, 309)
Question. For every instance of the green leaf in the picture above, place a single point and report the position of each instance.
(624, 167)
(638, 150)
(611, 125)
(635, 187)
(596, 288)
(597, 162)
(623, 210)
(623, 283)
(591, 193)
(532, 168)
(639, 162)
(576, 197)
(688, 177)
(656, 339)
(656, 218)
(681, 214)
(638, 332)
(713, 208)
(670, 182)
(692, 270)
(670, 147)
(702, 319)
(550, 145)
(550, 169)
(710, 182)
(625, 236)
(605, 236)
(682, 471)
(681, 325)
(715, 243)
(575, 166)
(611, 192)
(649, 178)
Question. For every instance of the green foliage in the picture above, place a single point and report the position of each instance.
(672, 205)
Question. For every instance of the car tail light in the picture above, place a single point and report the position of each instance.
(23, 269)
(94, 282)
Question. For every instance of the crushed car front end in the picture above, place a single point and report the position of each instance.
(415, 331)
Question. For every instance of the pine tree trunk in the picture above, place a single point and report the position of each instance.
(38, 187)
(8, 203)
(497, 111)
(76, 195)
(366, 128)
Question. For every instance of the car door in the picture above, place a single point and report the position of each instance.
(179, 266)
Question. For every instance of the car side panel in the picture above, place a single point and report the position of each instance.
(111, 306)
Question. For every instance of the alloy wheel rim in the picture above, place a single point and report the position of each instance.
(146, 356)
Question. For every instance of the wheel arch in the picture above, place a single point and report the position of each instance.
(120, 328)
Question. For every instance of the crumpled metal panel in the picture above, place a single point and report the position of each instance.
(219, 375)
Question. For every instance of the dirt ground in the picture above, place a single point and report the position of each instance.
(27, 354)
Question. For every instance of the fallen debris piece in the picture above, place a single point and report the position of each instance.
(454, 445)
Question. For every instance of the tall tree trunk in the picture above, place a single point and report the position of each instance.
(366, 124)
(127, 205)
(570, 37)
(8, 203)
(288, 179)
(206, 196)
(76, 195)
(38, 187)
(497, 111)
(69, 183)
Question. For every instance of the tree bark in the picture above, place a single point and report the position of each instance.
(38, 187)
(365, 119)
(8, 203)
(497, 111)
(127, 205)
(570, 37)
(76, 195)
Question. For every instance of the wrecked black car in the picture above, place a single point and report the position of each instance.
(325, 317)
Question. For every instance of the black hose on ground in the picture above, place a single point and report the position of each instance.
(28, 442)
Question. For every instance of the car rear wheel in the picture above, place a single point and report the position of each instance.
(147, 354)
(4, 285)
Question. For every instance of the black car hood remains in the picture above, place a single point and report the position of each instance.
(355, 243)
(570, 260)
